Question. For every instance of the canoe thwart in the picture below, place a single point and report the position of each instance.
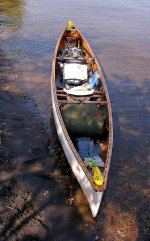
(83, 102)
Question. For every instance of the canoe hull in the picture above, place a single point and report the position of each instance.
(92, 192)
(94, 198)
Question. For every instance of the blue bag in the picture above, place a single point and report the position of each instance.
(94, 80)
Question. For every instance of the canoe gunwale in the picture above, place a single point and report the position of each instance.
(110, 141)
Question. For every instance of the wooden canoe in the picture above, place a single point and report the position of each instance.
(99, 98)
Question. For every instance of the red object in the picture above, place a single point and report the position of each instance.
(98, 115)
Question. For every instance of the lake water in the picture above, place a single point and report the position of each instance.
(119, 33)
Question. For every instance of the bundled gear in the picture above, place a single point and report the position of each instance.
(76, 77)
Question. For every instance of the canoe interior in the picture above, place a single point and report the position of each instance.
(82, 138)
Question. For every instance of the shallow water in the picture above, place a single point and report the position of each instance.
(118, 32)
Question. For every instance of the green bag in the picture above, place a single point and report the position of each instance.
(84, 120)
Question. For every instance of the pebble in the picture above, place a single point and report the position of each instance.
(45, 193)
(96, 237)
(16, 76)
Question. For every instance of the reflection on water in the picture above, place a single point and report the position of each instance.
(12, 13)
(83, 208)
(118, 32)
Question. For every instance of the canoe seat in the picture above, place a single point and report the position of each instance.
(81, 90)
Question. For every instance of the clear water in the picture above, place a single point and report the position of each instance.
(119, 33)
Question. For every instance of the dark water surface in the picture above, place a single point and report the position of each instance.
(119, 34)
